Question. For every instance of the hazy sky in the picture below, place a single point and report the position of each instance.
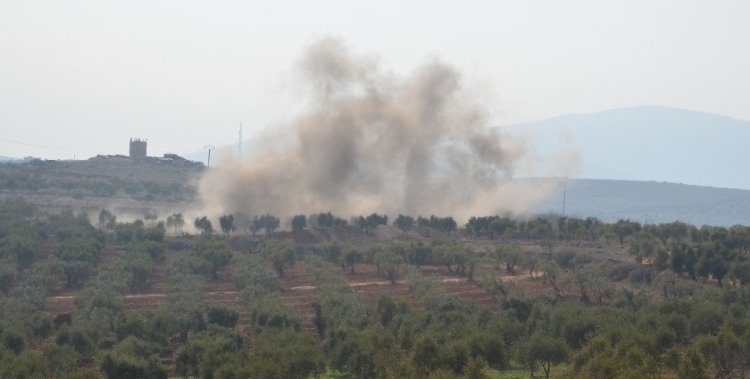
(81, 77)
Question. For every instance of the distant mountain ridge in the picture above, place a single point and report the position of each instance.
(5, 159)
(649, 202)
(649, 143)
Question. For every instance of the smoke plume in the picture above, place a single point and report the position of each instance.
(377, 142)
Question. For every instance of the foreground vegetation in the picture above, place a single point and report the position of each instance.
(576, 298)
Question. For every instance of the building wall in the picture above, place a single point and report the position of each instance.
(137, 148)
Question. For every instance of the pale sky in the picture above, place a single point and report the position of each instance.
(82, 77)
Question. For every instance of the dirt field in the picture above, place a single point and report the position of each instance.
(298, 291)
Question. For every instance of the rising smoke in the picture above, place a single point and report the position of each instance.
(376, 142)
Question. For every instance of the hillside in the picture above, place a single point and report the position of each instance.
(652, 202)
(165, 185)
(117, 182)
(648, 143)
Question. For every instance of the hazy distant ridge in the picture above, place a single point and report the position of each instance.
(651, 143)
(611, 200)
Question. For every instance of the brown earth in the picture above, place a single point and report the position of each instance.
(298, 295)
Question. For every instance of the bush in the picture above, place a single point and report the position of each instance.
(139, 267)
(14, 340)
(77, 338)
(61, 360)
(222, 316)
(216, 252)
(488, 348)
(28, 364)
(129, 232)
(154, 249)
(566, 259)
(286, 354)
(207, 352)
(642, 275)
(619, 271)
(270, 313)
(126, 366)
(8, 274)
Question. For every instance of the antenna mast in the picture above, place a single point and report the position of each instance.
(239, 143)
(209, 148)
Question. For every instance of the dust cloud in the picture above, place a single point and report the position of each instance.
(374, 141)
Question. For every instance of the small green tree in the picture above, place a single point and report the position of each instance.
(325, 220)
(350, 257)
(267, 222)
(386, 309)
(227, 223)
(133, 358)
(216, 252)
(692, 365)
(545, 351)
(204, 225)
(625, 228)
(61, 360)
(27, 364)
(474, 369)
(139, 267)
(208, 352)
(184, 302)
(78, 256)
(222, 316)
(281, 255)
(510, 255)
(107, 220)
(388, 264)
(176, 221)
(498, 226)
(642, 246)
(299, 222)
(286, 354)
(404, 222)
(151, 217)
(454, 356)
(426, 355)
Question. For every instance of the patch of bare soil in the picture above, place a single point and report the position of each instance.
(299, 293)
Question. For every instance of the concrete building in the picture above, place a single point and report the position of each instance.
(137, 148)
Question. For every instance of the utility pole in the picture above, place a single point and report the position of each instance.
(565, 193)
(209, 148)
